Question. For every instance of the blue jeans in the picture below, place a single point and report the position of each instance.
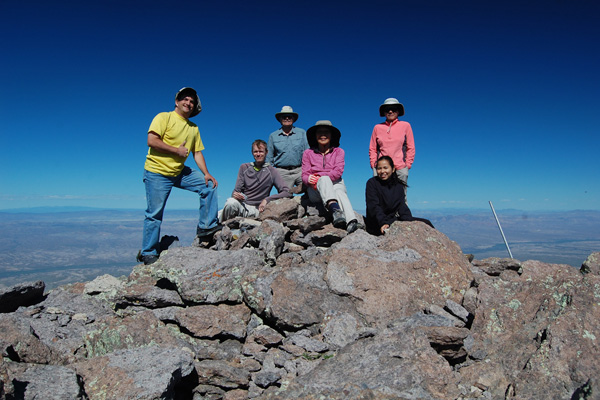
(158, 188)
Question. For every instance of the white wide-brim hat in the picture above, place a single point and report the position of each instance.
(391, 102)
(286, 110)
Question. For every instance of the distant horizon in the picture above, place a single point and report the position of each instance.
(53, 209)
(71, 244)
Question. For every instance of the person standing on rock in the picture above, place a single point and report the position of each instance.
(393, 138)
(285, 148)
(253, 186)
(171, 138)
(322, 169)
(385, 199)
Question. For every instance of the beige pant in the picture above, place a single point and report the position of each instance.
(235, 208)
(291, 177)
(328, 190)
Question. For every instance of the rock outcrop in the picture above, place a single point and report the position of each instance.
(290, 307)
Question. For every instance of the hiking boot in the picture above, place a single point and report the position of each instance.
(339, 220)
(354, 226)
(148, 259)
(204, 234)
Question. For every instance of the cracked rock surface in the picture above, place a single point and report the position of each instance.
(289, 307)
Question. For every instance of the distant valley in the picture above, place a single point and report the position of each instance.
(66, 247)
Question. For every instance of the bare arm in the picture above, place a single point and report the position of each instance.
(157, 143)
(199, 158)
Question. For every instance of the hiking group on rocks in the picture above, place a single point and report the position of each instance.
(294, 161)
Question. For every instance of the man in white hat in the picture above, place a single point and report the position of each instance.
(171, 138)
(285, 148)
(393, 138)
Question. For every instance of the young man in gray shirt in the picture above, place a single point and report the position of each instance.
(253, 186)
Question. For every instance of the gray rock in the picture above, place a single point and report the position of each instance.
(437, 310)
(494, 266)
(211, 321)
(103, 284)
(324, 237)
(591, 264)
(222, 374)
(271, 238)
(143, 373)
(280, 210)
(339, 329)
(266, 336)
(148, 296)
(52, 382)
(307, 224)
(24, 294)
(457, 310)
(309, 344)
(266, 379)
(206, 276)
(217, 350)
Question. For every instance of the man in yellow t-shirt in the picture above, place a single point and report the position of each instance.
(171, 138)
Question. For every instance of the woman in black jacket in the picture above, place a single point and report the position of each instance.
(385, 196)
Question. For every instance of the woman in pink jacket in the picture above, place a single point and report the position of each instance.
(322, 169)
(393, 138)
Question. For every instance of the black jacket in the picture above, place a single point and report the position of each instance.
(385, 203)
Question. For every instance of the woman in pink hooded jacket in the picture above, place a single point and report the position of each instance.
(322, 169)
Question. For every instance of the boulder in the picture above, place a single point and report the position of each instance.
(24, 294)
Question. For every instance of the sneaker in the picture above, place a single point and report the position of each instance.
(206, 233)
(353, 226)
(339, 220)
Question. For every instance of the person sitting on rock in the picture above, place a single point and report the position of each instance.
(253, 186)
(322, 169)
(385, 196)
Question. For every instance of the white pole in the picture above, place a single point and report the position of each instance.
(501, 232)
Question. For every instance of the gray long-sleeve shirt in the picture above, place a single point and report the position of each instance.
(256, 185)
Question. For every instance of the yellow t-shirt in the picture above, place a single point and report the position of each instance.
(173, 129)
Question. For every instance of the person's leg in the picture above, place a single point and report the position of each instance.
(193, 181)
(297, 181)
(325, 189)
(158, 188)
(402, 174)
(331, 201)
(287, 177)
(234, 208)
(342, 196)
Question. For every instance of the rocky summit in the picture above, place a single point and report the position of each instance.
(290, 307)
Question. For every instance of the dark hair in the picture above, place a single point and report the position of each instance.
(394, 178)
(386, 158)
(258, 143)
(187, 92)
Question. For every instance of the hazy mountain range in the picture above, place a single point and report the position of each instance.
(62, 246)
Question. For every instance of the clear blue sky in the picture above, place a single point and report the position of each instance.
(503, 96)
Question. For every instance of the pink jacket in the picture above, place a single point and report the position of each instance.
(330, 164)
(388, 140)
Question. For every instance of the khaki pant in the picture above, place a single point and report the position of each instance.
(328, 190)
(235, 208)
